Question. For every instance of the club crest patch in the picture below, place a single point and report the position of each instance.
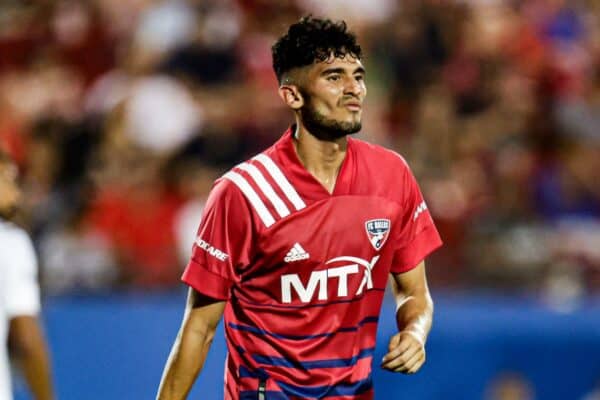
(378, 231)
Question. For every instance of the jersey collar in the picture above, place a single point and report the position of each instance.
(304, 182)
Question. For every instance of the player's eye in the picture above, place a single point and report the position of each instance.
(333, 78)
(359, 78)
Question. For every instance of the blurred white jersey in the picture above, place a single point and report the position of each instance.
(19, 290)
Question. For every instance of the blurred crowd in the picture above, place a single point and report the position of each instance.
(120, 114)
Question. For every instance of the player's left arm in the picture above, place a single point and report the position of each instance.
(414, 313)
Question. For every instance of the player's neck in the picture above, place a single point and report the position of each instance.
(322, 158)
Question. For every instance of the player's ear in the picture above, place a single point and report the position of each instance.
(290, 94)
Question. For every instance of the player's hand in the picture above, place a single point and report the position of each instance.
(405, 354)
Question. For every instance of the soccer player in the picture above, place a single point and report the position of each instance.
(295, 245)
(19, 297)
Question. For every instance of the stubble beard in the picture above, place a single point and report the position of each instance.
(324, 128)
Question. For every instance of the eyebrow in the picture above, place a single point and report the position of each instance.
(329, 71)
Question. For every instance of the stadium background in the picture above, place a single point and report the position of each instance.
(121, 113)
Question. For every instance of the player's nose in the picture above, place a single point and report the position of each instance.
(353, 87)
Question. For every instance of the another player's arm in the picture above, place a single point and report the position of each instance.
(414, 313)
(202, 315)
(27, 346)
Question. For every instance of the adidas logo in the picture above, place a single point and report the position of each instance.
(296, 253)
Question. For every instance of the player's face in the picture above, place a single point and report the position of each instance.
(333, 97)
(9, 191)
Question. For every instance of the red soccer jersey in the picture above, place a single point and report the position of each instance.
(304, 271)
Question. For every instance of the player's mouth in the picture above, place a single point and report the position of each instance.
(353, 105)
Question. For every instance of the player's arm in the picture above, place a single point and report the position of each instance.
(27, 346)
(414, 312)
(202, 315)
(21, 298)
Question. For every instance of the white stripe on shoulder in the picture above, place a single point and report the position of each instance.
(252, 197)
(262, 183)
(281, 180)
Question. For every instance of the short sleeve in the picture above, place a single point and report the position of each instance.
(417, 236)
(223, 244)
(21, 291)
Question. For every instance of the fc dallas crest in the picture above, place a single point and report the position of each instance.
(378, 231)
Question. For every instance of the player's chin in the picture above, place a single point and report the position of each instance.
(351, 125)
(354, 117)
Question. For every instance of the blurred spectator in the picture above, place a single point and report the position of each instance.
(160, 115)
(594, 394)
(510, 386)
(195, 181)
(76, 256)
(121, 113)
(135, 209)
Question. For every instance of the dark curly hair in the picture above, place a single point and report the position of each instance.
(312, 39)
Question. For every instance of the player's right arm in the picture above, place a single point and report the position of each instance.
(224, 242)
(202, 315)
